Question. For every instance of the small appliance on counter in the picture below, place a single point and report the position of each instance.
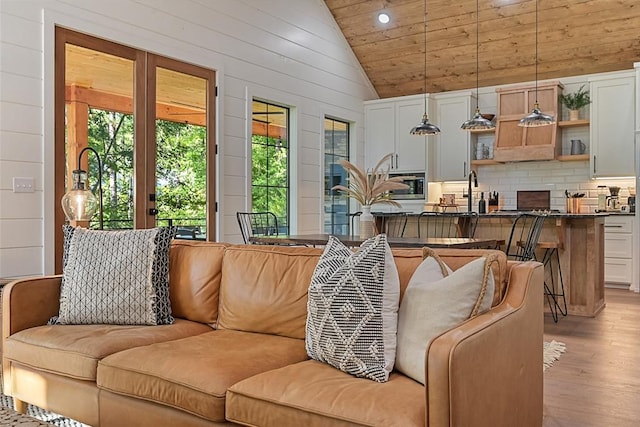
(631, 200)
(613, 201)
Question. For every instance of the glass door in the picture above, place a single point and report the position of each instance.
(183, 196)
(151, 122)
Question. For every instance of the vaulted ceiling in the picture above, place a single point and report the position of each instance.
(575, 37)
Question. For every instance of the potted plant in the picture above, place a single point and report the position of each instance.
(575, 101)
(370, 187)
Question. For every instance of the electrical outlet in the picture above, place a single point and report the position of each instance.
(23, 184)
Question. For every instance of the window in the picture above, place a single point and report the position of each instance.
(270, 161)
(336, 204)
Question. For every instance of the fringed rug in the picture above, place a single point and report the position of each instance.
(552, 352)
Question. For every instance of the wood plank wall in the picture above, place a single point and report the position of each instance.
(575, 37)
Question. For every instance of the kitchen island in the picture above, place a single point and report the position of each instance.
(580, 239)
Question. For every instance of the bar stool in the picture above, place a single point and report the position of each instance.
(555, 294)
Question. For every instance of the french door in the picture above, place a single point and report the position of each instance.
(151, 120)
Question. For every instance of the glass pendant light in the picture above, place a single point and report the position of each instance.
(425, 128)
(477, 122)
(536, 117)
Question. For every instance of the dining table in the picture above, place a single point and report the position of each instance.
(395, 242)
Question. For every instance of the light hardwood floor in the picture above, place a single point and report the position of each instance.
(596, 382)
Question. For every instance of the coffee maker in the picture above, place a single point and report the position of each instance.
(631, 200)
(613, 202)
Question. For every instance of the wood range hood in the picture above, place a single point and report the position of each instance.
(515, 143)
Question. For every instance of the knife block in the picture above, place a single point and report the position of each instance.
(574, 204)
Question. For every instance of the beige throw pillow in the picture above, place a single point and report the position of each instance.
(434, 303)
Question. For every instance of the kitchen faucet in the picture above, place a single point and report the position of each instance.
(475, 184)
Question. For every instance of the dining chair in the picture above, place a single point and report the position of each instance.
(394, 224)
(257, 224)
(447, 224)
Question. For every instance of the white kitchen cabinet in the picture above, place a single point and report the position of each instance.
(618, 249)
(387, 126)
(452, 148)
(612, 126)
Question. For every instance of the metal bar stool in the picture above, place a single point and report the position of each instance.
(553, 292)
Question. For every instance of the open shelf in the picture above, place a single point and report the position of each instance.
(572, 158)
(483, 131)
(573, 123)
(485, 162)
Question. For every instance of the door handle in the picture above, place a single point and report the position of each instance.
(153, 211)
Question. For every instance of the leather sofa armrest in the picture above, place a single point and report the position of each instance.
(29, 302)
(488, 371)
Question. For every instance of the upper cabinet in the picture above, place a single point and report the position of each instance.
(612, 126)
(515, 143)
(387, 127)
(452, 148)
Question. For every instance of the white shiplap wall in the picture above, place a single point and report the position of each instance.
(288, 52)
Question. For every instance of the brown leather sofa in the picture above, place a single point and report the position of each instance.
(236, 353)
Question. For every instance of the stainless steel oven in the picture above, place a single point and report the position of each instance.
(416, 183)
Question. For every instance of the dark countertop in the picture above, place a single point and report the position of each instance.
(511, 214)
(514, 213)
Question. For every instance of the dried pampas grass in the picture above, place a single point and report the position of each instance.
(371, 187)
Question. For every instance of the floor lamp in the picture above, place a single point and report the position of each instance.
(79, 203)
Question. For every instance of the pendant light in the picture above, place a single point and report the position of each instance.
(536, 117)
(477, 122)
(425, 128)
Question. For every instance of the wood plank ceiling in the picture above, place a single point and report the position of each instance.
(575, 37)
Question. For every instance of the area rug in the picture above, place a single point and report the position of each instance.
(33, 411)
(552, 352)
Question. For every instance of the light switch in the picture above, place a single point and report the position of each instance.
(23, 184)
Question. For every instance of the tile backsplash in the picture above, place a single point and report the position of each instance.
(554, 176)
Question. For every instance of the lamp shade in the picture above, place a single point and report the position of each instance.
(79, 204)
(425, 128)
(477, 122)
(536, 118)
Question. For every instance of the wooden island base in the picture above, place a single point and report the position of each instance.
(581, 239)
(581, 250)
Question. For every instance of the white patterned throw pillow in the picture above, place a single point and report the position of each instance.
(436, 300)
(116, 277)
(352, 309)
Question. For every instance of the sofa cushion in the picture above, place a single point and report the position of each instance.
(74, 350)
(436, 301)
(353, 308)
(407, 260)
(195, 272)
(193, 374)
(264, 289)
(116, 277)
(311, 393)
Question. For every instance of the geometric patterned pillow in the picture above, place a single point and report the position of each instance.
(352, 309)
(116, 277)
(435, 301)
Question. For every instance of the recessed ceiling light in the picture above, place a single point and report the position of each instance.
(383, 18)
